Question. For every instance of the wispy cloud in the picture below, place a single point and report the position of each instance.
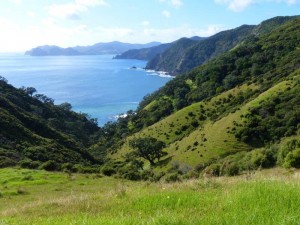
(241, 5)
(17, 2)
(72, 9)
(145, 23)
(174, 3)
(166, 13)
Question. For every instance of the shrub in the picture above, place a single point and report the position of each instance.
(28, 163)
(230, 168)
(173, 177)
(50, 165)
(7, 162)
(292, 159)
(285, 150)
(212, 170)
(108, 170)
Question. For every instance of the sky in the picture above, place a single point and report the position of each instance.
(25, 24)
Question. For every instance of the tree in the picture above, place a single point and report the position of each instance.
(30, 91)
(148, 148)
(66, 106)
(44, 99)
(3, 79)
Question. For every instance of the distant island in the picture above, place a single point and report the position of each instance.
(114, 47)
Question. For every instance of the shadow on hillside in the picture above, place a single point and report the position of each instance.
(164, 162)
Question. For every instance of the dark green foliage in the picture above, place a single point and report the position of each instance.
(148, 148)
(50, 165)
(29, 164)
(172, 177)
(34, 130)
(274, 118)
(289, 154)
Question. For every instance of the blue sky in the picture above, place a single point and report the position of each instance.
(28, 23)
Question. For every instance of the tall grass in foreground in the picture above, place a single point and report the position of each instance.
(108, 201)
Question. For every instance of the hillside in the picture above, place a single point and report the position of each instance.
(35, 132)
(177, 63)
(150, 53)
(96, 49)
(237, 112)
(144, 53)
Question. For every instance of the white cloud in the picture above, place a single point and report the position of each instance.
(174, 3)
(17, 2)
(145, 23)
(166, 13)
(30, 14)
(235, 5)
(241, 5)
(15, 37)
(71, 10)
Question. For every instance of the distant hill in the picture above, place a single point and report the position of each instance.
(96, 49)
(150, 53)
(144, 53)
(201, 52)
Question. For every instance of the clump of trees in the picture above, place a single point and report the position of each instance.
(148, 148)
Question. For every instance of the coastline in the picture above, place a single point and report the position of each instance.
(154, 72)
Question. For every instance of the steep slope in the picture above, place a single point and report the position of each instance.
(150, 53)
(211, 47)
(35, 130)
(234, 113)
(176, 52)
(144, 53)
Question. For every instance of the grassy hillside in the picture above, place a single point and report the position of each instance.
(37, 197)
(224, 117)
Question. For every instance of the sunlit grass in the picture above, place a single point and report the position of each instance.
(87, 199)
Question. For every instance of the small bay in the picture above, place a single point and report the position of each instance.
(97, 85)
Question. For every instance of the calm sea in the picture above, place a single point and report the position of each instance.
(98, 85)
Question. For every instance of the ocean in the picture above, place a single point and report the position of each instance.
(97, 85)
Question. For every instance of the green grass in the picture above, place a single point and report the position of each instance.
(59, 198)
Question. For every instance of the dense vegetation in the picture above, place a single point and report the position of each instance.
(177, 62)
(249, 93)
(36, 133)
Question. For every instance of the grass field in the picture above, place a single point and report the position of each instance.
(39, 197)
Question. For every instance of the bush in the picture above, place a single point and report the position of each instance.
(285, 150)
(292, 159)
(212, 170)
(108, 170)
(230, 168)
(50, 165)
(173, 177)
(27, 163)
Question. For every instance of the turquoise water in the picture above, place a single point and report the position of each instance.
(98, 85)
